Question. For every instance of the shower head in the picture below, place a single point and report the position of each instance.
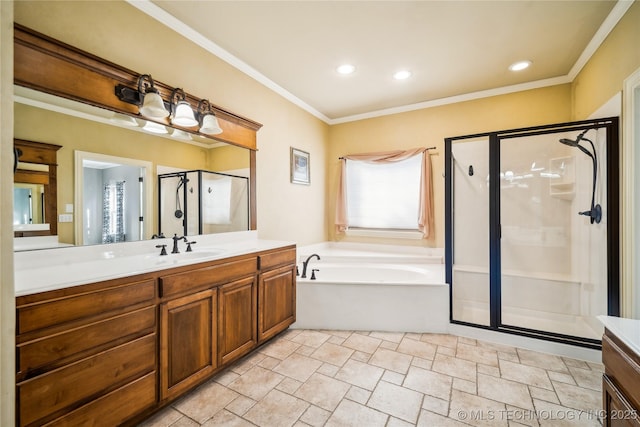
(569, 142)
(576, 143)
(595, 213)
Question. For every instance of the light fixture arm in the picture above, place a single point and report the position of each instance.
(177, 95)
(149, 87)
(204, 108)
(207, 119)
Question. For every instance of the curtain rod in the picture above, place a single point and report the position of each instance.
(428, 148)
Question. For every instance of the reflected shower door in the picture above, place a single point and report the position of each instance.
(553, 259)
(470, 297)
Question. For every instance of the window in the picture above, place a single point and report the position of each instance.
(383, 195)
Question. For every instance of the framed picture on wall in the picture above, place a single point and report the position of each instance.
(300, 173)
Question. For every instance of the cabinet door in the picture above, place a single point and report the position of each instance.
(618, 411)
(277, 297)
(237, 312)
(187, 341)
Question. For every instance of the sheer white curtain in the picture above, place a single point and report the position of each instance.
(424, 221)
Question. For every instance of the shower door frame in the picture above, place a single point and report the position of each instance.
(611, 124)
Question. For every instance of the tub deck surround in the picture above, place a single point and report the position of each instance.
(365, 252)
(373, 287)
(51, 269)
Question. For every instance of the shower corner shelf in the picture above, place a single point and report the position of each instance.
(564, 191)
(563, 186)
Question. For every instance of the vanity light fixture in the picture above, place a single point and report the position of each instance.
(181, 111)
(520, 65)
(152, 103)
(208, 122)
(152, 106)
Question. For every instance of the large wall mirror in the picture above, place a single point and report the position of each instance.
(110, 157)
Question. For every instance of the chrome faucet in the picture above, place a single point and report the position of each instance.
(306, 263)
(176, 239)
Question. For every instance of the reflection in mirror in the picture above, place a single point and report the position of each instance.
(80, 127)
(28, 204)
(202, 202)
(112, 194)
(34, 188)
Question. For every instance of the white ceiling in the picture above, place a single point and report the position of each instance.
(456, 50)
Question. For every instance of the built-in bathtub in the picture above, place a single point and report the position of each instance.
(372, 288)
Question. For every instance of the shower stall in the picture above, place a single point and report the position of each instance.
(532, 230)
(202, 202)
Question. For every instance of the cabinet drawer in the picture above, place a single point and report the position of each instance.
(275, 259)
(190, 280)
(54, 312)
(114, 408)
(77, 343)
(622, 368)
(43, 397)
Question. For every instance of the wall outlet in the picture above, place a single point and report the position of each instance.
(68, 208)
(65, 218)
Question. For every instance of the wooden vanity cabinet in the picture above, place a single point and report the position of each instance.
(620, 383)
(114, 352)
(276, 293)
(87, 353)
(205, 321)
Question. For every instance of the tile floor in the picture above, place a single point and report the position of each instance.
(367, 379)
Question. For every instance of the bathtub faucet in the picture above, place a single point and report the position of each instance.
(306, 263)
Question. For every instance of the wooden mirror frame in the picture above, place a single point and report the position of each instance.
(42, 154)
(47, 65)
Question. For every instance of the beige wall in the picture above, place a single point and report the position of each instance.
(616, 59)
(121, 34)
(429, 127)
(227, 158)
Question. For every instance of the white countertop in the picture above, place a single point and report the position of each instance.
(51, 269)
(37, 242)
(628, 330)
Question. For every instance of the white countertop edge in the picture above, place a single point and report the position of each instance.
(627, 330)
(30, 281)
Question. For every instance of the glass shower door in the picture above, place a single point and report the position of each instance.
(470, 297)
(553, 248)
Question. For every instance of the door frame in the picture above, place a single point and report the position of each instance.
(630, 161)
(495, 271)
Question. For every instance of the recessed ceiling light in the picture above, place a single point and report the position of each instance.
(520, 65)
(402, 75)
(346, 69)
